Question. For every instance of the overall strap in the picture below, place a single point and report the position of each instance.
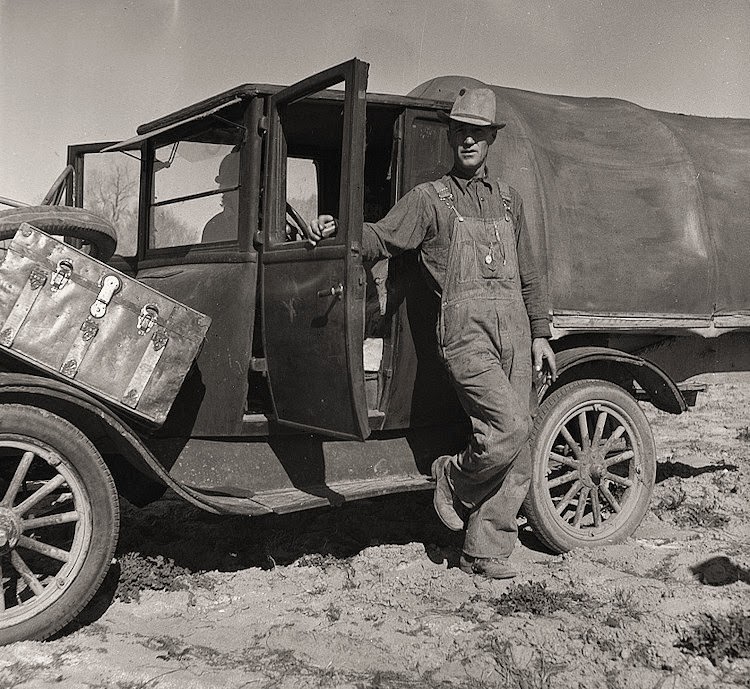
(446, 196)
(504, 190)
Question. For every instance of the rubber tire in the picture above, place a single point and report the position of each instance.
(538, 507)
(63, 221)
(83, 459)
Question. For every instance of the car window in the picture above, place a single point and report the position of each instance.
(301, 193)
(195, 188)
(310, 173)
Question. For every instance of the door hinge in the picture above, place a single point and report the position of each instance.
(263, 125)
(258, 364)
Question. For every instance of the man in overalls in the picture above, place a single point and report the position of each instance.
(474, 246)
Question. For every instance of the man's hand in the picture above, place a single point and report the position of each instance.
(320, 228)
(542, 352)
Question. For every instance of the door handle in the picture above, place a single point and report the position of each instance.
(337, 291)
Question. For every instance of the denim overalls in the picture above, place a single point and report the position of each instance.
(485, 343)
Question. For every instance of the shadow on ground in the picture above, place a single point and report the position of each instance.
(665, 470)
(199, 541)
(720, 571)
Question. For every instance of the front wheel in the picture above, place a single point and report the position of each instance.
(59, 521)
(594, 466)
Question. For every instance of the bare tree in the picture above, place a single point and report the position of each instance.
(111, 190)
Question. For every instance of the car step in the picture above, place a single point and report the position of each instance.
(293, 499)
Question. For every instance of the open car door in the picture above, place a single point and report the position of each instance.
(313, 298)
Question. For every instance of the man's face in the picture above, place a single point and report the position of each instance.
(470, 145)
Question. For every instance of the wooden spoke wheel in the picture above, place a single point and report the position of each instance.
(59, 520)
(594, 466)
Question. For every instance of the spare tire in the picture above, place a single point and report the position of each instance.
(63, 221)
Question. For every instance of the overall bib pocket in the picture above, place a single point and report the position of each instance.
(484, 261)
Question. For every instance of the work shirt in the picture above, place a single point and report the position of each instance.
(420, 220)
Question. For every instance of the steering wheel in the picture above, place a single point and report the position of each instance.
(54, 195)
(299, 227)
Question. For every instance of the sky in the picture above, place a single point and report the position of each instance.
(76, 71)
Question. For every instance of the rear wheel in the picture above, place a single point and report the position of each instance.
(59, 521)
(594, 466)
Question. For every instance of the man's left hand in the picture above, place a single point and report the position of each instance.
(323, 226)
(544, 359)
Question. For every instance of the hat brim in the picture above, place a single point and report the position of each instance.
(469, 119)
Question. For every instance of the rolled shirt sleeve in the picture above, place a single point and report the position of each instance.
(405, 227)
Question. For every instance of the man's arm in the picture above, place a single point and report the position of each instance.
(404, 227)
(535, 300)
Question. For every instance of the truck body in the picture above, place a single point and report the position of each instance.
(319, 379)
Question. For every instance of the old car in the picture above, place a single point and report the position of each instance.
(318, 381)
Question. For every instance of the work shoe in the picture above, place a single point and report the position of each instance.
(490, 567)
(447, 506)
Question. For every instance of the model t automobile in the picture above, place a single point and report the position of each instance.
(318, 381)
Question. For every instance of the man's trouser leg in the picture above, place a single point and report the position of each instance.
(492, 476)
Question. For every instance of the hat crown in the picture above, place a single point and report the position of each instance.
(475, 106)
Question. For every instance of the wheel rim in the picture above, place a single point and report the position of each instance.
(45, 528)
(594, 469)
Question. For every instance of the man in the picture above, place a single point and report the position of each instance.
(471, 234)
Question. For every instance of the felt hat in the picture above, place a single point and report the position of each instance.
(474, 106)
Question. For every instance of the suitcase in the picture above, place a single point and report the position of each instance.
(85, 322)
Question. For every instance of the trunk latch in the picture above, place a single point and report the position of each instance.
(62, 274)
(147, 318)
(110, 285)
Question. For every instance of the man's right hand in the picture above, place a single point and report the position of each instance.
(320, 228)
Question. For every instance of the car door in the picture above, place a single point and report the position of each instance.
(313, 298)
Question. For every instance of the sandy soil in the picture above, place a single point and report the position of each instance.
(369, 595)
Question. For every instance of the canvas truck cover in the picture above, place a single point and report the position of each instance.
(84, 322)
(631, 211)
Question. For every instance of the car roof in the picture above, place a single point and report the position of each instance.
(248, 91)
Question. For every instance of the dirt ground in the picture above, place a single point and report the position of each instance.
(369, 595)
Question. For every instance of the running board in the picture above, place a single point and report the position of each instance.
(259, 425)
(294, 499)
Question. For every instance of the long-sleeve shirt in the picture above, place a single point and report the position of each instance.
(420, 220)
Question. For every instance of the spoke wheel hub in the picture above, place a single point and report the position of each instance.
(587, 442)
(591, 471)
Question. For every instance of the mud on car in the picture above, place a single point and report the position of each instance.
(318, 381)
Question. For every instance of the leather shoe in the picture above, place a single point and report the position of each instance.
(446, 504)
(490, 567)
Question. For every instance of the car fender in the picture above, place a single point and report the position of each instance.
(74, 405)
(617, 366)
